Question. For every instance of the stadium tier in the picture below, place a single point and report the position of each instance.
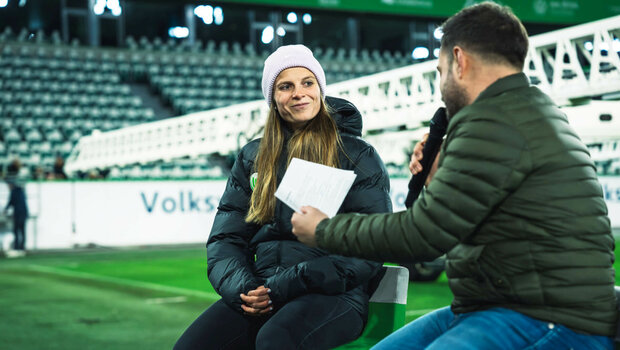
(573, 65)
(53, 94)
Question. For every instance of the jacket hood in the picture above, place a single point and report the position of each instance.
(348, 118)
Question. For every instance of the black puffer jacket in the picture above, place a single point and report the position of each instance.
(244, 256)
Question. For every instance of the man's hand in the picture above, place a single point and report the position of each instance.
(414, 165)
(257, 301)
(304, 224)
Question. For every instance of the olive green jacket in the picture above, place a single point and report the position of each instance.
(517, 206)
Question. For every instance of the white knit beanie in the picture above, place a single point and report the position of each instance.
(287, 57)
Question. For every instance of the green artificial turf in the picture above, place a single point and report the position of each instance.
(127, 299)
(123, 299)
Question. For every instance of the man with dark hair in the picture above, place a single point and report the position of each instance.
(515, 204)
(489, 30)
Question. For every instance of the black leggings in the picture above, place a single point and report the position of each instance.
(311, 321)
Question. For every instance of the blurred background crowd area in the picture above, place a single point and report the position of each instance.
(69, 68)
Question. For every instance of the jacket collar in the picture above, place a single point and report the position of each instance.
(513, 81)
(347, 117)
(510, 82)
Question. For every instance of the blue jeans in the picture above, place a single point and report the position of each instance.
(496, 328)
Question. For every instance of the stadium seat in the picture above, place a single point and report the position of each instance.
(115, 173)
(12, 135)
(134, 172)
(53, 136)
(155, 172)
(19, 147)
(29, 158)
(177, 172)
(75, 135)
(386, 310)
(47, 159)
(614, 168)
(38, 112)
(213, 172)
(42, 147)
(147, 114)
(33, 135)
(6, 124)
(87, 125)
(64, 149)
(24, 172)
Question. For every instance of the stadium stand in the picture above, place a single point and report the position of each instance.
(53, 94)
(61, 97)
(606, 156)
(572, 65)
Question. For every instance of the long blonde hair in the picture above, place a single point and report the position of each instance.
(318, 141)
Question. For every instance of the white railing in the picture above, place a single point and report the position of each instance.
(561, 63)
(394, 146)
(605, 151)
(217, 131)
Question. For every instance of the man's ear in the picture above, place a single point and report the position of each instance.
(461, 60)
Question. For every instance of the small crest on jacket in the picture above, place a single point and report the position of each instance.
(253, 178)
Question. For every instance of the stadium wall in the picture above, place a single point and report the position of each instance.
(133, 213)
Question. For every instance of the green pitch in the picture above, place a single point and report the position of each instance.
(122, 299)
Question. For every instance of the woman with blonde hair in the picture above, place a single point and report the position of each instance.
(276, 292)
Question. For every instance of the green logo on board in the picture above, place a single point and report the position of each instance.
(253, 178)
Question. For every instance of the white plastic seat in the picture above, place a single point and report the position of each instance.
(12, 135)
(33, 135)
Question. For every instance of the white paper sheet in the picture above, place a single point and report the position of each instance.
(317, 185)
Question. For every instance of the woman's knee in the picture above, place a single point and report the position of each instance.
(275, 336)
(218, 327)
(183, 343)
(326, 330)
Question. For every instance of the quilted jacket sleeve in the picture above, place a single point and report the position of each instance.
(228, 257)
(335, 274)
(483, 161)
(330, 274)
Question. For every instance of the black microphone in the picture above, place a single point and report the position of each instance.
(438, 127)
